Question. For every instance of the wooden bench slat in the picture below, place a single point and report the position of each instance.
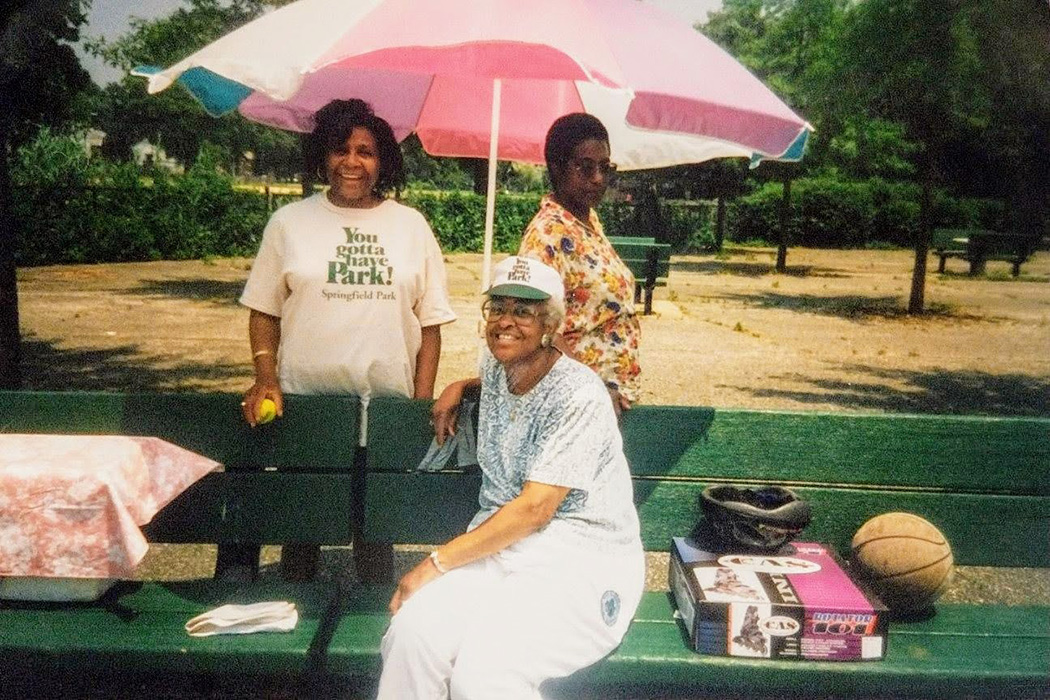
(260, 507)
(918, 663)
(419, 508)
(317, 433)
(399, 433)
(997, 455)
(654, 657)
(982, 530)
(655, 654)
(141, 626)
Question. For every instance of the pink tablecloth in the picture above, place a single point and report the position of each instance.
(71, 506)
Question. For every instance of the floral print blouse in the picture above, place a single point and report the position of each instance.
(600, 326)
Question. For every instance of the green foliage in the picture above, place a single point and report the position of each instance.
(872, 148)
(423, 171)
(71, 210)
(831, 213)
(458, 218)
(172, 119)
(40, 75)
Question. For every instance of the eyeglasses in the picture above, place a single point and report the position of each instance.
(522, 311)
(585, 167)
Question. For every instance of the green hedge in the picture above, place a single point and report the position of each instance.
(175, 221)
(458, 218)
(77, 212)
(827, 212)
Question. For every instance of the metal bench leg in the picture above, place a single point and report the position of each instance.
(638, 293)
(940, 265)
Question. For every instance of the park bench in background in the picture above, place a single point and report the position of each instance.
(978, 247)
(981, 480)
(649, 261)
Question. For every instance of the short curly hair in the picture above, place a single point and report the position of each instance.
(565, 134)
(333, 125)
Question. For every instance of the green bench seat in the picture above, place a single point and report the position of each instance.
(979, 246)
(983, 481)
(140, 626)
(649, 262)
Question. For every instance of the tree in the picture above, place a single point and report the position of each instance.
(965, 79)
(173, 119)
(1009, 48)
(39, 76)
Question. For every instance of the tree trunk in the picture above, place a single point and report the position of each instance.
(720, 224)
(10, 338)
(917, 302)
(785, 217)
(480, 168)
(306, 177)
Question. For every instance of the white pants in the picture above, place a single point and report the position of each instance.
(497, 628)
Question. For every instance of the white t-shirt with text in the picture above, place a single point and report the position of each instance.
(353, 289)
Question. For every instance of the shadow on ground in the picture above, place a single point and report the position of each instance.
(752, 269)
(123, 368)
(958, 392)
(200, 289)
(849, 306)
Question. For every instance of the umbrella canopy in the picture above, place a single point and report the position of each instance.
(488, 78)
(429, 66)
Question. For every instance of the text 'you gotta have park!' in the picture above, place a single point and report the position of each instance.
(360, 261)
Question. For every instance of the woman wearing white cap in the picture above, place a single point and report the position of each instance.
(547, 577)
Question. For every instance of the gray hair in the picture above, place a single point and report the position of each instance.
(555, 309)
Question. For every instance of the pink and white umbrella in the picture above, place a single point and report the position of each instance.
(487, 78)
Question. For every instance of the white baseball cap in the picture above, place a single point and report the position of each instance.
(526, 278)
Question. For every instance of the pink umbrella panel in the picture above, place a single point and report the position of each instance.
(429, 66)
(440, 68)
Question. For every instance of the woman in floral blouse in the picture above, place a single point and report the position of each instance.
(600, 329)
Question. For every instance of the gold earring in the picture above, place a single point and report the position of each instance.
(545, 340)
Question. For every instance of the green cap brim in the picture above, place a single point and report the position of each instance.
(518, 291)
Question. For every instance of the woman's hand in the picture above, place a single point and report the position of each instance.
(254, 395)
(445, 411)
(424, 572)
(620, 402)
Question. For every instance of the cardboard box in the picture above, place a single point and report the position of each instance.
(796, 604)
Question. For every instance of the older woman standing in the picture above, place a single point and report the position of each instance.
(601, 329)
(547, 577)
(348, 290)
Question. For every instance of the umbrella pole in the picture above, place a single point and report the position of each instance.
(490, 193)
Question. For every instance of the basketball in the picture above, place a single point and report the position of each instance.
(904, 558)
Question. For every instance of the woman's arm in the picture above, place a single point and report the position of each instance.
(531, 510)
(264, 335)
(427, 363)
(445, 411)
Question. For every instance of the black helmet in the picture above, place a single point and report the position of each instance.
(754, 518)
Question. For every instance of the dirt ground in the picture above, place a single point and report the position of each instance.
(829, 334)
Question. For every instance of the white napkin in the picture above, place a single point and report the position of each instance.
(277, 616)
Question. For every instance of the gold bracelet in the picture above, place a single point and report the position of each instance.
(437, 564)
(260, 353)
